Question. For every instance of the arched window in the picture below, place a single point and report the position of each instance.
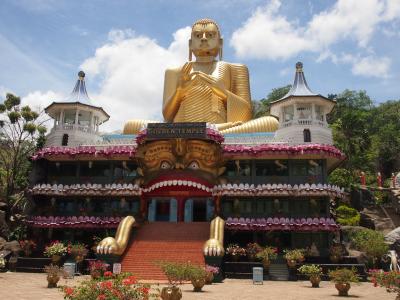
(307, 135)
(64, 140)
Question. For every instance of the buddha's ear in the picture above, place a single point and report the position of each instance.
(221, 44)
(190, 49)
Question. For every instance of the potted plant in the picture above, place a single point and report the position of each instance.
(266, 255)
(235, 251)
(55, 250)
(342, 279)
(27, 246)
(78, 251)
(251, 250)
(210, 270)
(314, 273)
(53, 275)
(97, 268)
(389, 280)
(197, 276)
(176, 274)
(336, 253)
(293, 257)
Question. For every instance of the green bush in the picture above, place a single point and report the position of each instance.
(347, 216)
(343, 178)
(371, 242)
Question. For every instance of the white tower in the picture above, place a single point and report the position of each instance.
(302, 114)
(76, 122)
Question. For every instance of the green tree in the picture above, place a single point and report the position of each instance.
(263, 107)
(350, 121)
(20, 129)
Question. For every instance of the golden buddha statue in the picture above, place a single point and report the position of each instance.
(207, 90)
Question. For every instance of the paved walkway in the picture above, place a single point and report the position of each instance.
(28, 286)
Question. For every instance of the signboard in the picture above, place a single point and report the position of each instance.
(69, 269)
(116, 268)
(194, 130)
(258, 275)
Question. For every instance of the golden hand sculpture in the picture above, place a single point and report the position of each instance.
(209, 90)
(118, 244)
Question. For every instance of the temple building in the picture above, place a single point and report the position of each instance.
(186, 188)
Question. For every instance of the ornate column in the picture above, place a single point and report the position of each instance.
(181, 208)
(143, 207)
(217, 206)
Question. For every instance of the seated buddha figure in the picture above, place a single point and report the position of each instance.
(207, 89)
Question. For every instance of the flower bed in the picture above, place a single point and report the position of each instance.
(122, 286)
(291, 224)
(73, 222)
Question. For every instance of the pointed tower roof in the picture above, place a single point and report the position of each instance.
(300, 87)
(78, 98)
(79, 93)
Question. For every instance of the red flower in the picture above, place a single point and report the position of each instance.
(68, 291)
(129, 280)
(106, 284)
(108, 274)
(145, 290)
(101, 297)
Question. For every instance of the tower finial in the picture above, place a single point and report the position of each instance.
(81, 75)
(299, 66)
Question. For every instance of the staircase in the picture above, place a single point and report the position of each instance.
(164, 241)
(278, 270)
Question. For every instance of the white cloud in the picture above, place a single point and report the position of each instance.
(270, 35)
(371, 67)
(130, 69)
(38, 101)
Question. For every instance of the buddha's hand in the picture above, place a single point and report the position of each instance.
(185, 74)
(200, 78)
(107, 246)
(213, 247)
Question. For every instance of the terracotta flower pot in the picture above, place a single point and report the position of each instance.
(52, 280)
(343, 288)
(235, 257)
(315, 280)
(292, 263)
(171, 293)
(78, 258)
(55, 259)
(335, 258)
(198, 284)
(251, 257)
(209, 278)
(266, 263)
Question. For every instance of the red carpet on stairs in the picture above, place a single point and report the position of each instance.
(164, 241)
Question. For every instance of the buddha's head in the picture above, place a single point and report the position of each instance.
(205, 39)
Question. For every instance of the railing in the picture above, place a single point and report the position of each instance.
(303, 122)
(72, 127)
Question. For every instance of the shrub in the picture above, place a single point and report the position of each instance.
(55, 248)
(295, 254)
(176, 272)
(389, 280)
(371, 242)
(310, 270)
(268, 253)
(344, 275)
(122, 286)
(253, 248)
(234, 249)
(347, 216)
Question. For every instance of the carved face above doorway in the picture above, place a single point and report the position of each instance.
(195, 158)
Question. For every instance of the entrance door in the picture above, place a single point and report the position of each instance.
(198, 210)
(163, 210)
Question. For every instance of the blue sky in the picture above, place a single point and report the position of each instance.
(125, 46)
